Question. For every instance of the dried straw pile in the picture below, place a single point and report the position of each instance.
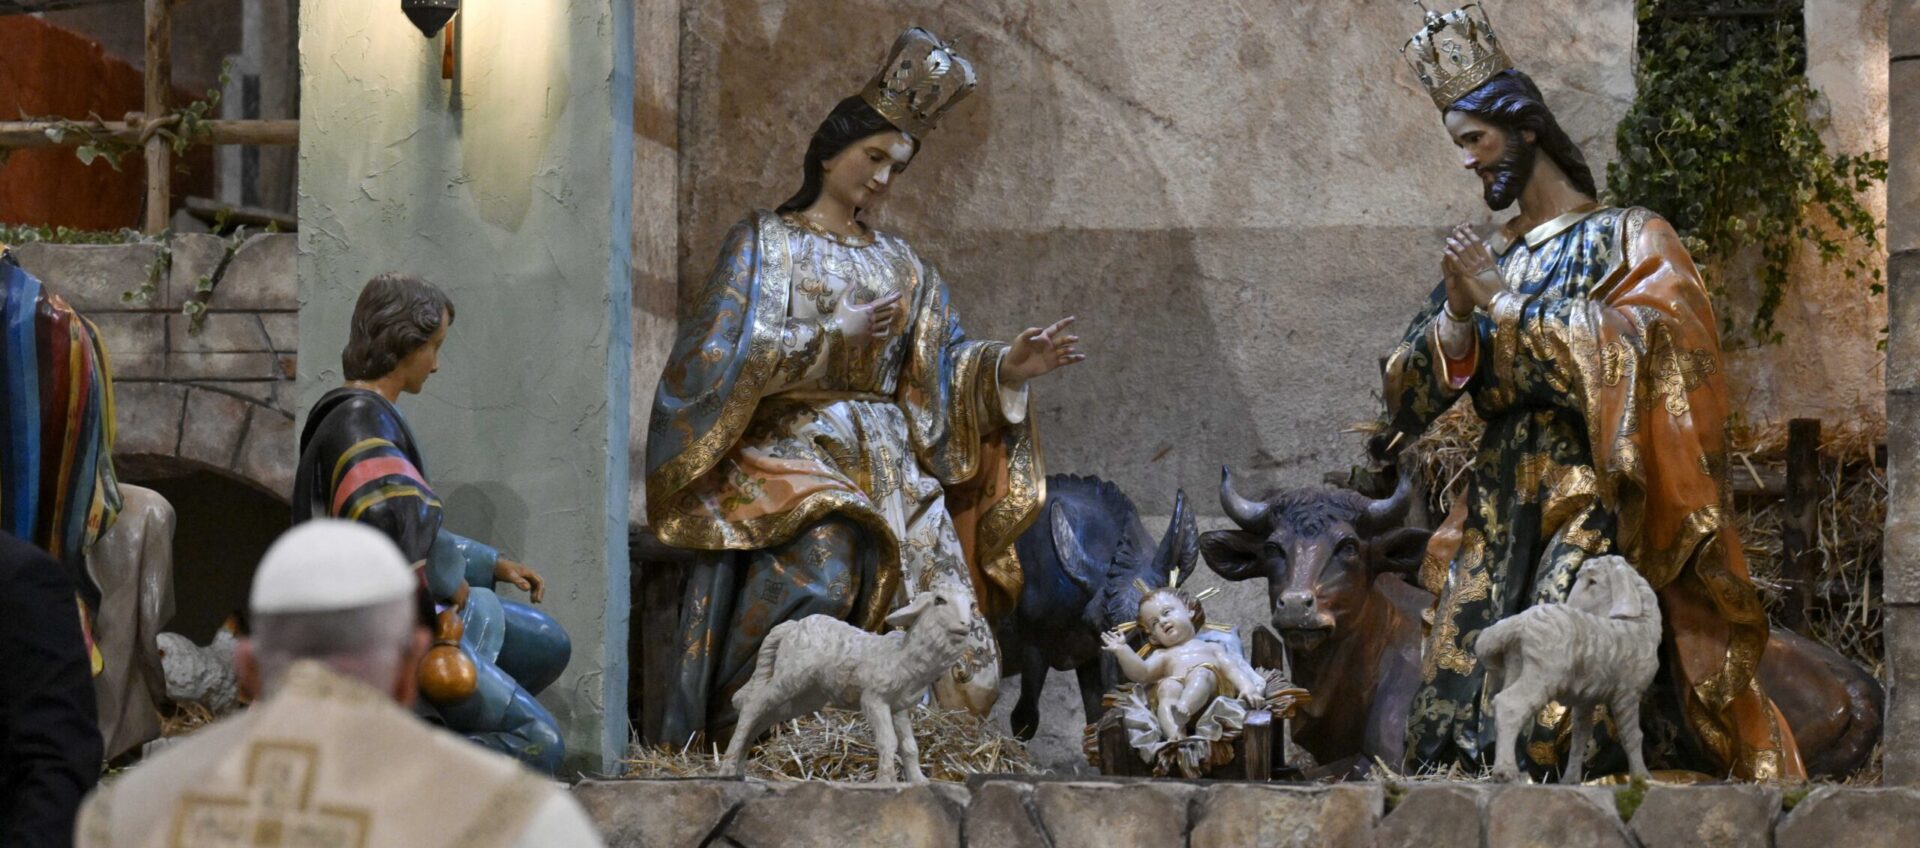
(836, 745)
(1845, 613)
(1853, 512)
(181, 718)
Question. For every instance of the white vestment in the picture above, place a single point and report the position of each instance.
(328, 761)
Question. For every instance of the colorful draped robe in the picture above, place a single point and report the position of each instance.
(359, 461)
(1599, 379)
(57, 485)
(845, 474)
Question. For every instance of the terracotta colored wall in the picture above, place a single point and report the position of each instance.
(48, 71)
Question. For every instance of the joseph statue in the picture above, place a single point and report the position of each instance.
(1583, 337)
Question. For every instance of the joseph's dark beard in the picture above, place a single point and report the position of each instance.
(1510, 173)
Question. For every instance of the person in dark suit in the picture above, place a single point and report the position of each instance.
(50, 747)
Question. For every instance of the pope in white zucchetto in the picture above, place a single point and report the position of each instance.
(330, 755)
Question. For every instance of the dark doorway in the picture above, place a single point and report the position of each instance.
(222, 528)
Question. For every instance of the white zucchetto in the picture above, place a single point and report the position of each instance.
(328, 564)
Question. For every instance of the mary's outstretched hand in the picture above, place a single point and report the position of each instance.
(1038, 351)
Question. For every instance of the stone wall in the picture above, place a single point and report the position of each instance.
(1828, 364)
(1902, 563)
(656, 219)
(1009, 813)
(218, 398)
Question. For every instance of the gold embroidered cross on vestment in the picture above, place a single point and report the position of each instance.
(275, 810)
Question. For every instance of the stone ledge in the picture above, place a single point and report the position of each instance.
(1020, 812)
(1903, 29)
(1903, 319)
(1855, 818)
(92, 277)
(1902, 628)
(1903, 179)
(1724, 816)
(261, 275)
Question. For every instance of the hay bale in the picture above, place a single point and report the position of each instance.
(836, 745)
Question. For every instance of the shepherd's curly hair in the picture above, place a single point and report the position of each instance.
(395, 315)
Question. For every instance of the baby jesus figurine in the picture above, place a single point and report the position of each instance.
(1183, 674)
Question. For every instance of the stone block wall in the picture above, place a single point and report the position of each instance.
(1902, 557)
(1017, 813)
(217, 397)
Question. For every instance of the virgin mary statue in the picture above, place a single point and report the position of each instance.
(826, 431)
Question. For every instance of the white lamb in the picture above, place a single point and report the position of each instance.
(201, 675)
(1600, 647)
(822, 661)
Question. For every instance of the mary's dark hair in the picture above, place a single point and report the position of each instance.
(1512, 102)
(395, 315)
(851, 120)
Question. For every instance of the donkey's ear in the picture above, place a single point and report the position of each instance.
(1180, 547)
(1074, 563)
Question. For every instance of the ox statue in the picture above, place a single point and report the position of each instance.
(1084, 563)
(1335, 562)
(1338, 567)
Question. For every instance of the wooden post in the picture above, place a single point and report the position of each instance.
(1799, 522)
(1256, 745)
(1117, 757)
(159, 85)
(659, 577)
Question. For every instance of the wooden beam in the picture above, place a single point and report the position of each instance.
(29, 7)
(18, 135)
(248, 216)
(159, 71)
(1800, 522)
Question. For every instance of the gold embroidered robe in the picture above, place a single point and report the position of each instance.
(848, 474)
(1597, 374)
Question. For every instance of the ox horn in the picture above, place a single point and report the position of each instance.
(1250, 515)
(1383, 515)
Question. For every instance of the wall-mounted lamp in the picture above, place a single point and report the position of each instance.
(430, 15)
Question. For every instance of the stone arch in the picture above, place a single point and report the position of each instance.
(164, 427)
(223, 457)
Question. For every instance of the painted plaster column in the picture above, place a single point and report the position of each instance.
(509, 186)
(1902, 557)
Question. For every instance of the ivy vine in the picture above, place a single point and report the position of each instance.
(181, 128)
(1723, 139)
(195, 306)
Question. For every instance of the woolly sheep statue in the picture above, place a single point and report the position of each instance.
(1600, 647)
(822, 661)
